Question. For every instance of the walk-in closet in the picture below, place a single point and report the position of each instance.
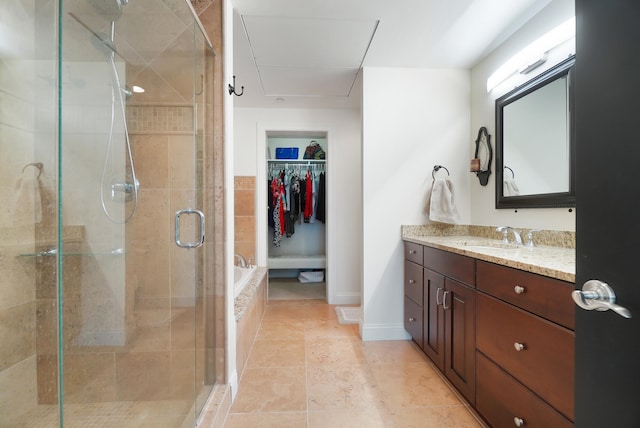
(296, 218)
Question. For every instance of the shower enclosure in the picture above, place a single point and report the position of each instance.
(107, 305)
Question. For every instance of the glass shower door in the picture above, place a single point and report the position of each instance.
(131, 189)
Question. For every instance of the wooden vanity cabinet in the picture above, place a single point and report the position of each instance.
(524, 341)
(413, 291)
(502, 336)
(448, 313)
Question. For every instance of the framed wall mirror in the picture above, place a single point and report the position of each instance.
(535, 142)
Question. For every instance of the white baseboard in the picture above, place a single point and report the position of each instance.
(352, 298)
(384, 332)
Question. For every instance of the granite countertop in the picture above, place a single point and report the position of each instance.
(554, 262)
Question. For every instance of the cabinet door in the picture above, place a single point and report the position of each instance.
(460, 306)
(433, 330)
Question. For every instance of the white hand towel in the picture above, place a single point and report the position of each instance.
(440, 205)
(510, 188)
(27, 203)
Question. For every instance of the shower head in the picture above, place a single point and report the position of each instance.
(111, 10)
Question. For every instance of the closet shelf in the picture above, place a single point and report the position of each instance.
(297, 262)
(296, 161)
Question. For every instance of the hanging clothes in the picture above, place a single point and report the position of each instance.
(278, 195)
(320, 207)
(293, 198)
(308, 205)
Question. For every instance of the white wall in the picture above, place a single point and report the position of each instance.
(482, 198)
(413, 119)
(344, 209)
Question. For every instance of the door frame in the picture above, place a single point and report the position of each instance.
(263, 132)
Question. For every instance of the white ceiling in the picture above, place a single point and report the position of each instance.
(308, 53)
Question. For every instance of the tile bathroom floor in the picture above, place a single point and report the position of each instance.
(307, 370)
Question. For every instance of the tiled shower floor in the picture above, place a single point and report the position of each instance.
(123, 414)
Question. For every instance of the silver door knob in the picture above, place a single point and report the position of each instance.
(519, 422)
(519, 346)
(518, 289)
(599, 296)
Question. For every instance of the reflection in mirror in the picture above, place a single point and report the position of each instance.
(534, 142)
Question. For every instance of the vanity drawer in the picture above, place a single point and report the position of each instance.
(548, 297)
(500, 399)
(545, 363)
(413, 281)
(413, 252)
(413, 320)
(454, 266)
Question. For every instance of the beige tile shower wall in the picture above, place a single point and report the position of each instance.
(210, 14)
(160, 119)
(20, 134)
(245, 217)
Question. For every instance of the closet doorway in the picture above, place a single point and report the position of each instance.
(296, 195)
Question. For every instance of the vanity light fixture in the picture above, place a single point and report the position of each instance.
(534, 55)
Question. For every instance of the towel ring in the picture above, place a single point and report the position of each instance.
(513, 175)
(437, 168)
(35, 164)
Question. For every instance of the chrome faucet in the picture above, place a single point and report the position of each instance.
(505, 234)
(530, 242)
(241, 261)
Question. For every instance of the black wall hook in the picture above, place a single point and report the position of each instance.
(232, 88)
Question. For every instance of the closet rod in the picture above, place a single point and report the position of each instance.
(297, 161)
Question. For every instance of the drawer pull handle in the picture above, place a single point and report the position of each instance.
(412, 251)
(519, 346)
(411, 319)
(518, 289)
(438, 302)
(412, 281)
(519, 422)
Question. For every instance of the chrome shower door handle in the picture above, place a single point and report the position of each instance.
(194, 244)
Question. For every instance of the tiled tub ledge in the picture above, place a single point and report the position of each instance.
(243, 301)
(553, 255)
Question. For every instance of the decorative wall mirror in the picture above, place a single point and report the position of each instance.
(535, 142)
(481, 164)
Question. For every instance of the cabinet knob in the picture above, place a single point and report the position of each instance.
(412, 251)
(518, 289)
(411, 319)
(519, 422)
(412, 281)
(519, 347)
